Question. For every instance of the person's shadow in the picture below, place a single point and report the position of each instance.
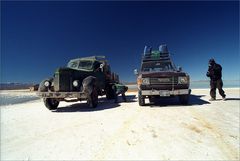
(228, 99)
(103, 104)
(232, 99)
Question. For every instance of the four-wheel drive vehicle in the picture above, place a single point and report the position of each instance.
(159, 77)
(83, 79)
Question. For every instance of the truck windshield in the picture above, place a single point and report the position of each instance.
(82, 64)
(73, 64)
(157, 66)
(85, 64)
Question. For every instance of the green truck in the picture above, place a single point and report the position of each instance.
(83, 79)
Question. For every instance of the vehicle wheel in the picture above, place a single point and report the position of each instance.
(110, 93)
(141, 99)
(93, 98)
(184, 99)
(51, 103)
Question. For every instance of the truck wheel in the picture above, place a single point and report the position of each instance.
(51, 103)
(93, 98)
(184, 99)
(141, 99)
(110, 93)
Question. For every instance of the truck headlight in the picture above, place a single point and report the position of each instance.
(76, 83)
(145, 81)
(182, 80)
(46, 83)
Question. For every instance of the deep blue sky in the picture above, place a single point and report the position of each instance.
(38, 37)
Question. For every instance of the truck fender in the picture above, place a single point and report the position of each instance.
(41, 87)
(88, 84)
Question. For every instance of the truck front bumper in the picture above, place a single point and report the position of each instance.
(61, 94)
(165, 93)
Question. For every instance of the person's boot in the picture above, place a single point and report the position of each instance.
(224, 98)
(212, 99)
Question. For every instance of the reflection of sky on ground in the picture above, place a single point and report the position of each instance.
(7, 98)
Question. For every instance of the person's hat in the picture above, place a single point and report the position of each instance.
(211, 61)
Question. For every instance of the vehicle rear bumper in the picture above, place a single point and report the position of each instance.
(166, 92)
(61, 94)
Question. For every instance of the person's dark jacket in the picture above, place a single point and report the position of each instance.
(214, 72)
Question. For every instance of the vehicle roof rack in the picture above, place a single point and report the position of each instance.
(155, 55)
(161, 54)
(98, 58)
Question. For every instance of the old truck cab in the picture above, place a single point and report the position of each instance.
(159, 77)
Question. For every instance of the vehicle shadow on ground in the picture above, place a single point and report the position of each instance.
(196, 100)
(174, 101)
(103, 104)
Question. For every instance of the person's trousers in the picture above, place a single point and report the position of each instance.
(218, 84)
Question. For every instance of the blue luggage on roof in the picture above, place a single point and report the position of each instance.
(163, 49)
(147, 50)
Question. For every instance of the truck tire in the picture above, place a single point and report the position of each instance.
(110, 92)
(93, 98)
(184, 99)
(141, 99)
(51, 103)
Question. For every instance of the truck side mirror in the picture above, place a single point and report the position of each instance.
(179, 69)
(135, 71)
(101, 67)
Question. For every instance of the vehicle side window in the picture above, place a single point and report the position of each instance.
(146, 69)
(96, 65)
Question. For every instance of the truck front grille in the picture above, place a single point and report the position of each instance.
(164, 81)
(62, 82)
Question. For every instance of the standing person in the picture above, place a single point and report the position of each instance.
(215, 74)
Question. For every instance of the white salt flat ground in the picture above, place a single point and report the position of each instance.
(167, 130)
